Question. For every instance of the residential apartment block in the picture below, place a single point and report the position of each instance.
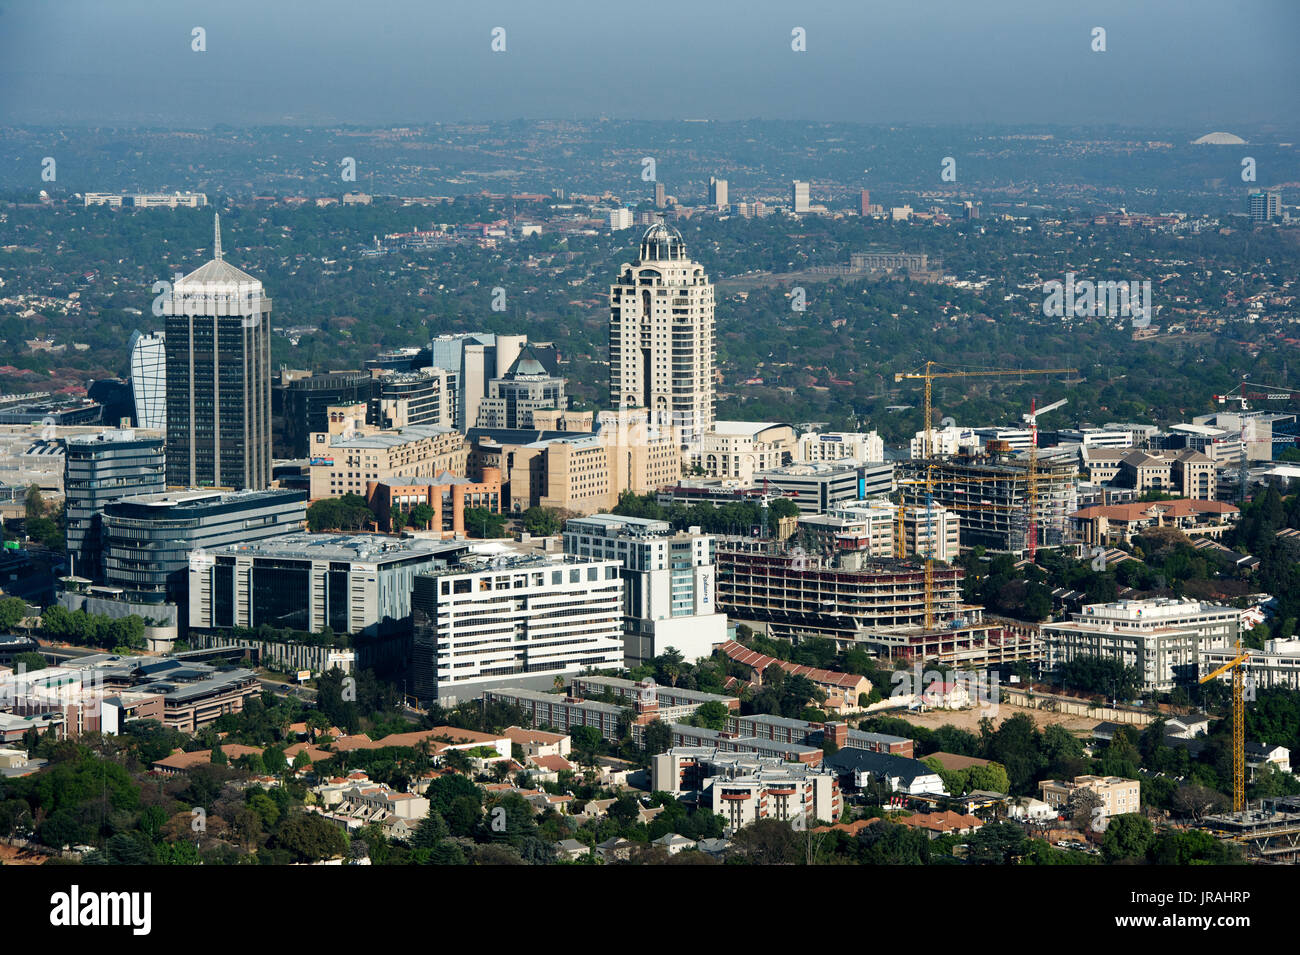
(1118, 795)
(661, 336)
(747, 787)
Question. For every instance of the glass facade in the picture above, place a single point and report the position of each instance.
(281, 595)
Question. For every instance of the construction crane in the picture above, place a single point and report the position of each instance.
(900, 543)
(1237, 666)
(1031, 476)
(928, 376)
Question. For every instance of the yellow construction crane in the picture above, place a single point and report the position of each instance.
(1031, 475)
(900, 543)
(928, 376)
(1237, 666)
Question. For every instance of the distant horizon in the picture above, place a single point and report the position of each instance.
(337, 63)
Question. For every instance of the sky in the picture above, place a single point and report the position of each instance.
(1216, 64)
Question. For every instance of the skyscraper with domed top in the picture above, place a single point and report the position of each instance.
(661, 344)
(218, 340)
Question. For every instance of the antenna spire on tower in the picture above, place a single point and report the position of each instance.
(216, 236)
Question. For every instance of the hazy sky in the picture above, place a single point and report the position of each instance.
(1218, 64)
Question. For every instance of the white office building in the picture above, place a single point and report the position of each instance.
(493, 622)
(799, 195)
(1162, 638)
(855, 447)
(149, 380)
(620, 219)
(944, 441)
(669, 583)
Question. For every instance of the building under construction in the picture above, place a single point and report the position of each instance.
(989, 491)
(857, 601)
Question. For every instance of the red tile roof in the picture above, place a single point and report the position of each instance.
(752, 658)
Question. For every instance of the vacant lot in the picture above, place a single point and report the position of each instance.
(12, 855)
(969, 719)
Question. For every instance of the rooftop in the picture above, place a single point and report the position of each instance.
(350, 547)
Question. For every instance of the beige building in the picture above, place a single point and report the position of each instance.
(1115, 524)
(661, 345)
(587, 472)
(1186, 472)
(737, 449)
(352, 454)
(1118, 795)
(871, 527)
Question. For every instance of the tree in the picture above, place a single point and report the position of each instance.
(1196, 801)
(767, 842)
(1128, 836)
(420, 516)
(481, 522)
(445, 790)
(29, 661)
(712, 715)
(309, 837)
(658, 737)
(999, 843)
(12, 611)
(542, 521)
(586, 741)
(431, 830)
(1083, 806)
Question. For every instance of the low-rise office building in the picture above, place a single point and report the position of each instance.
(345, 459)
(1161, 638)
(1278, 664)
(1114, 524)
(740, 449)
(855, 447)
(447, 495)
(148, 539)
(352, 584)
(745, 788)
(669, 583)
(486, 623)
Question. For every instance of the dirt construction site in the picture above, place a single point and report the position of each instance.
(969, 718)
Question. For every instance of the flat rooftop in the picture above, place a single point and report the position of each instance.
(393, 439)
(350, 547)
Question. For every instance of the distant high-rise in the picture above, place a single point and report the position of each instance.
(718, 193)
(218, 377)
(865, 206)
(1265, 206)
(525, 388)
(661, 344)
(149, 380)
(477, 358)
(660, 197)
(799, 195)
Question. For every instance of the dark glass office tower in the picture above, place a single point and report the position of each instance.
(218, 341)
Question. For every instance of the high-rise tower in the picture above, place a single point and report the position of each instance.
(218, 339)
(661, 346)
